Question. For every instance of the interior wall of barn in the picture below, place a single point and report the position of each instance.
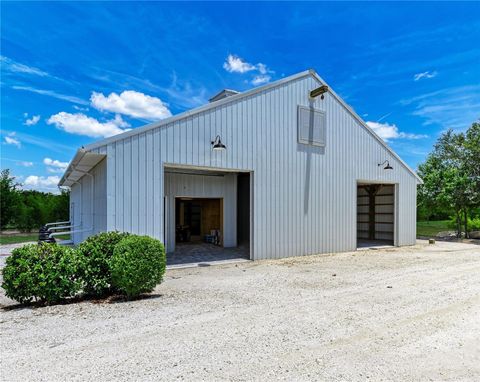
(222, 186)
(376, 213)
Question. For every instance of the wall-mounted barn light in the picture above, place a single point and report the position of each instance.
(319, 92)
(217, 144)
(387, 167)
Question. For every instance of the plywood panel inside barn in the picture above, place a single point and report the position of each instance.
(211, 215)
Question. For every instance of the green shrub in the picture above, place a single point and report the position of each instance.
(472, 224)
(45, 272)
(137, 265)
(94, 255)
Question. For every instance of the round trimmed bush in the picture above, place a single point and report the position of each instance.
(94, 255)
(137, 265)
(44, 272)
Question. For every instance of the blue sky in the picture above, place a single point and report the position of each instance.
(72, 73)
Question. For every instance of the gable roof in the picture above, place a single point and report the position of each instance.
(235, 97)
(198, 110)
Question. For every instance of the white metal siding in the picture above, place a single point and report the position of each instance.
(75, 209)
(81, 197)
(304, 196)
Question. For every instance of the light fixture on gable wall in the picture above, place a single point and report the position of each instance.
(217, 144)
(319, 92)
(387, 167)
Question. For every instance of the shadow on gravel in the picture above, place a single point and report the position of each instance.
(451, 239)
(122, 299)
(115, 299)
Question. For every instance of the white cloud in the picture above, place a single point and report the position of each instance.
(80, 108)
(11, 140)
(387, 132)
(24, 163)
(83, 125)
(426, 74)
(448, 108)
(261, 79)
(49, 144)
(131, 103)
(16, 67)
(31, 121)
(53, 170)
(184, 94)
(235, 64)
(41, 183)
(51, 93)
(262, 68)
(55, 165)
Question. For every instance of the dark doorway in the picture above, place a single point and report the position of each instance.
(243, 209)
(375, 214)
(198, 220)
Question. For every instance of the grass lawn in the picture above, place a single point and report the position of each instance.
(431, 228)
(18, 238)
(23, 237)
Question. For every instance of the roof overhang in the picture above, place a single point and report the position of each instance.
(82, 163)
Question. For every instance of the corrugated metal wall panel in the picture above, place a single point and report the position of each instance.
(81, 197)
(75, 212)
(304, 196)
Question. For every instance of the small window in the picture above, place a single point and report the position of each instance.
(311, 126)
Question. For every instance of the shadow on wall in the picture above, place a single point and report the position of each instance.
(309, 150)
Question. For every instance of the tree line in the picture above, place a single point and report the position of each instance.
(451, 176)
(27, 210)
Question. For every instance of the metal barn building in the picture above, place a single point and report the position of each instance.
(285, 169)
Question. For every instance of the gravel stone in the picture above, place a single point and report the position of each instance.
(285, 319)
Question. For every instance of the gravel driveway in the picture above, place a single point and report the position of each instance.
(409, 314)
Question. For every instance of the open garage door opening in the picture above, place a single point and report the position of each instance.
(375, 215)
(207, 215)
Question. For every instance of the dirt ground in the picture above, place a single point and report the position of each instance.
(409, 314)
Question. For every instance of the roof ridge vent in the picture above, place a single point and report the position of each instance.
(223, 94)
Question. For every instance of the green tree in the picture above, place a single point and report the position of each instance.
(451, 177)
(61, 207)
(9, 197)
(29, 209)
(472, 146)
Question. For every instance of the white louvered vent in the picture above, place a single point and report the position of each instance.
(311, 126)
